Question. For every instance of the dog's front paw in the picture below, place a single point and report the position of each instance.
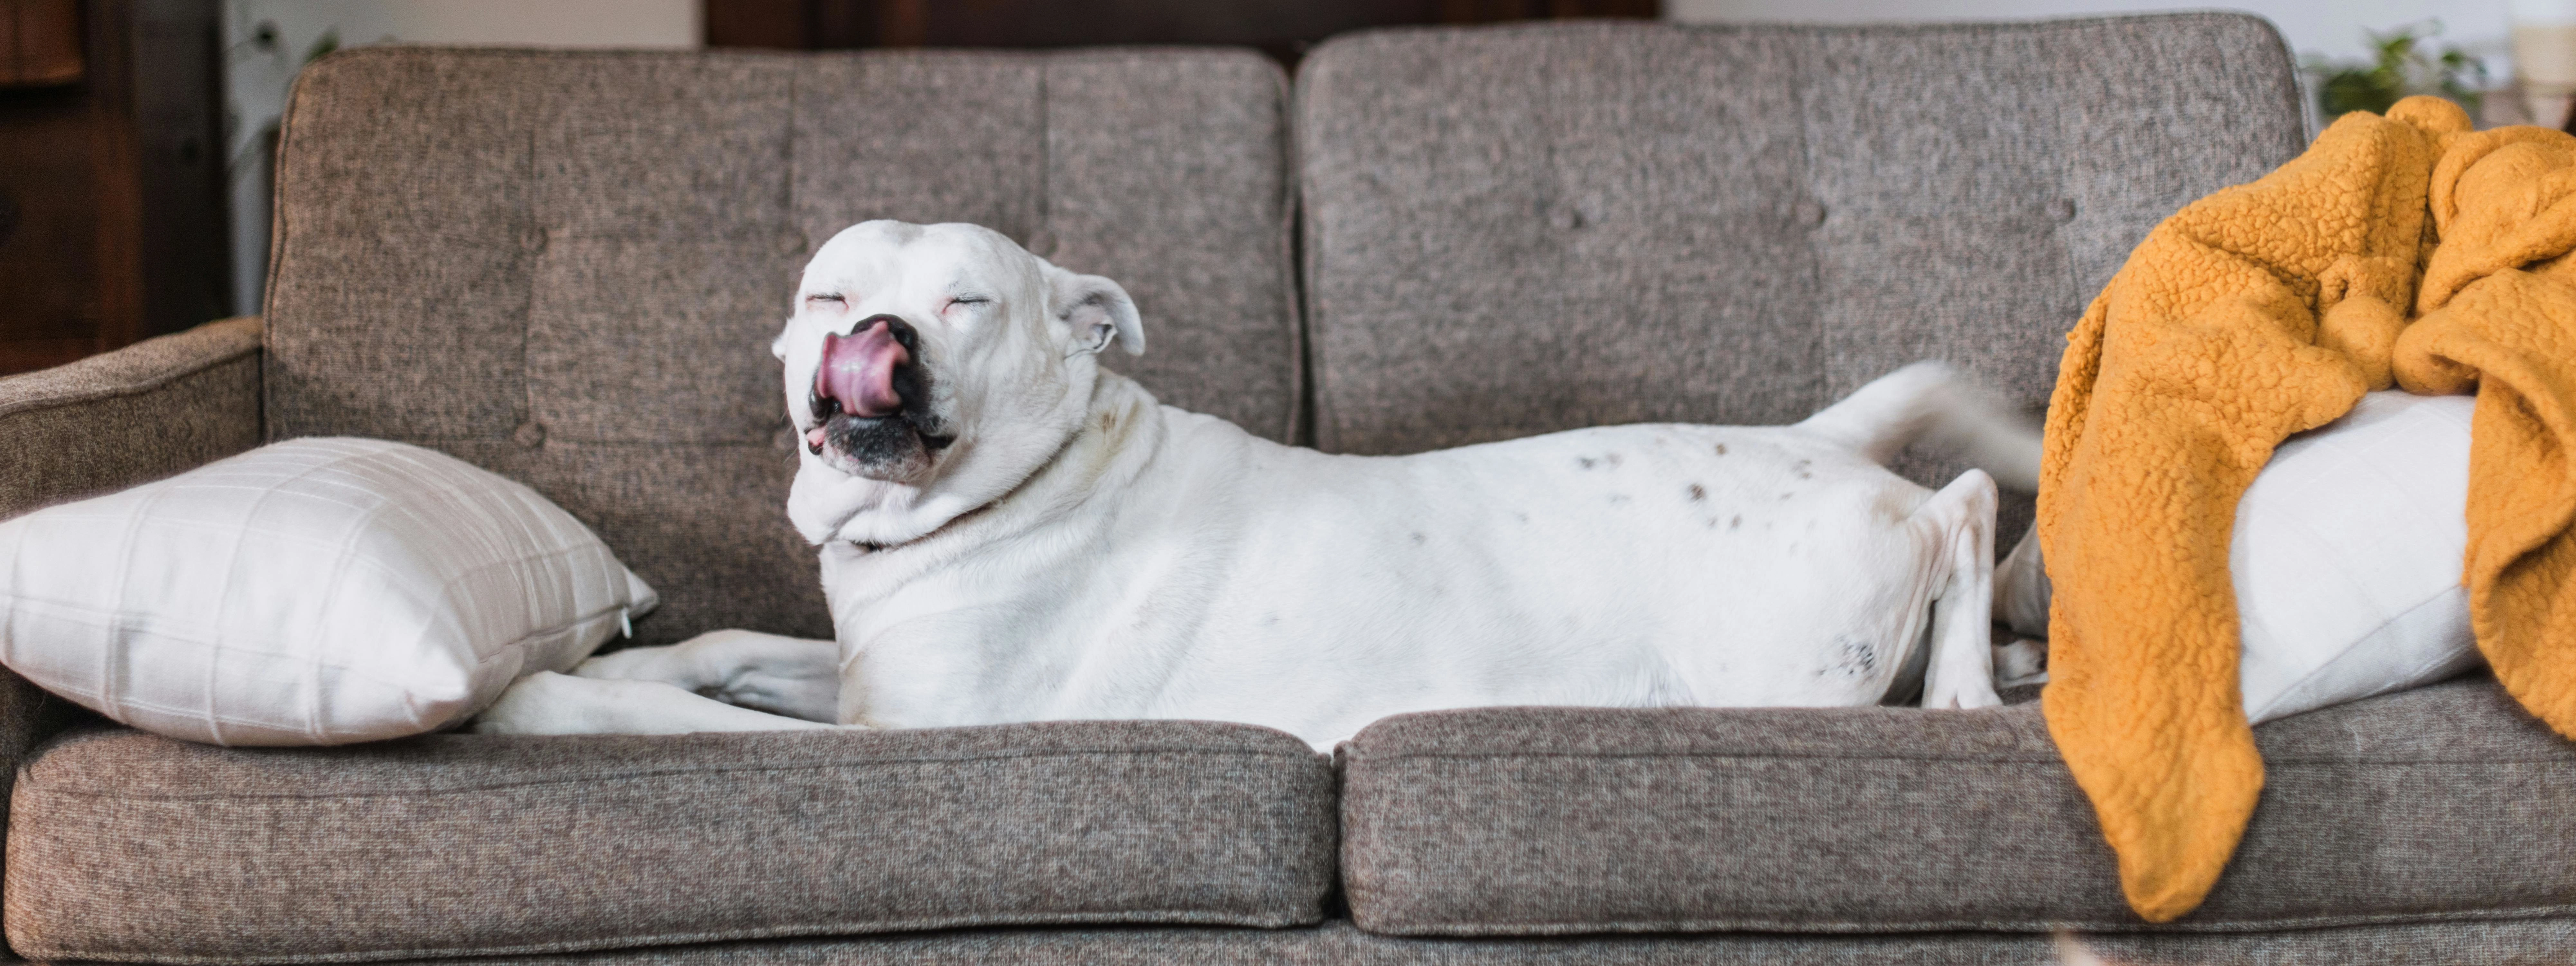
(706, 663)
(544, 703)
(665, 664)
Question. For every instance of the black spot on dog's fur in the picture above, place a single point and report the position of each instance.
(1737, 522)
(1721, 449)
(1801, 469)
(1698, 492)
(1854, 657)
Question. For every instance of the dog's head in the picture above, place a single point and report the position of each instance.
(930, 369)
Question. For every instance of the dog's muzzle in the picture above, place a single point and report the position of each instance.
(857, 375)
(870, 397)
(859, 372)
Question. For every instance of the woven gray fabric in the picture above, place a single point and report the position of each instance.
(1740, 224)
(2448, 801)
(1337, 944)
(107, 422)
(132, 847)
(132, 416)
(594, 250)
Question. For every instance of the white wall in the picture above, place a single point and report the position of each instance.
(2329, 27)
(257, 75)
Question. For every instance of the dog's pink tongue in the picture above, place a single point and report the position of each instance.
(858, 370)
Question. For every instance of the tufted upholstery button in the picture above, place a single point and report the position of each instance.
(1566, 217)
(2062, 209)
(533, 239)
(1808, 212)
(1041, 243)
(530, 434)
(791, 242)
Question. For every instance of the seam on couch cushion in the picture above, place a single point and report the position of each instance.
(1139, 753)
(1365, 758)
(848, 927)
(1362, 759)
(1824, 927)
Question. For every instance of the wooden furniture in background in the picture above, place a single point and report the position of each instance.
(111, 177)
(40, 42)
(1282, 28)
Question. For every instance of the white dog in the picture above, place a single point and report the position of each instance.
(1010, 533)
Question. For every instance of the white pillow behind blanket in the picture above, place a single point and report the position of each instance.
(311, 592)
(2347, 556)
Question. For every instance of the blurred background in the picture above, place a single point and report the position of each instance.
(137, 136)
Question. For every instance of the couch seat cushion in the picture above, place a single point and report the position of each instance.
(2446, 802)
(125, 846)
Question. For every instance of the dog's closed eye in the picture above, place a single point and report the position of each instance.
(832, 297)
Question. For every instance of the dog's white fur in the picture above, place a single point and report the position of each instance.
(1079, 551)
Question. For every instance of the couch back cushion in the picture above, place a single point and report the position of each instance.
(1519, 230)
(567, 267)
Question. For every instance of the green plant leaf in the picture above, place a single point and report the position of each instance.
(2402, 64)
(323, 45)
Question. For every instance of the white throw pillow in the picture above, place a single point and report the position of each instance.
(311, 592)
(2347, 556)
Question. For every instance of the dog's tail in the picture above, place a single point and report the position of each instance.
(1931, 402)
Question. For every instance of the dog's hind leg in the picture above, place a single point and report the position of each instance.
(2022, 589)
(1962, 518)
(1932, 402)
(794, 676)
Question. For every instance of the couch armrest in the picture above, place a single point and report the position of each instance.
(130, 416)
(108, 422)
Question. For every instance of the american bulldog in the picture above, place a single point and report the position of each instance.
(1010, 532)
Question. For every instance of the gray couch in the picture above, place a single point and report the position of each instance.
(565, 266)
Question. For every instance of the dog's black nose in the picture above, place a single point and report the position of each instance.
(901, 330)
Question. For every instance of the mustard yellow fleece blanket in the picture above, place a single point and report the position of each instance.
(2405, 248)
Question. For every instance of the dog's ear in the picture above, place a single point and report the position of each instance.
(1096, 309)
